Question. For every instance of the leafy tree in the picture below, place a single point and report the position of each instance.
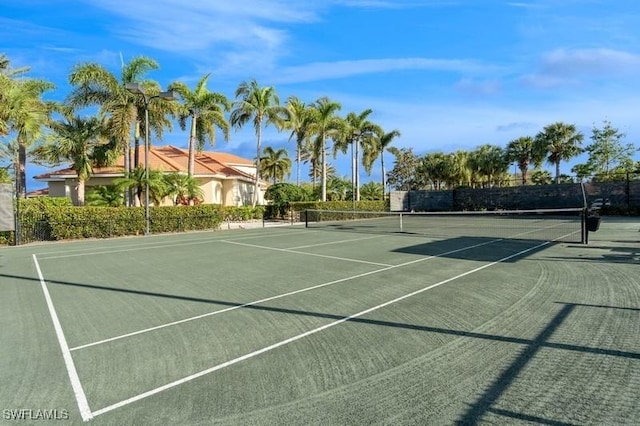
(582, 171)
(262, 106)
(607, 151)
(283, 193)
(275, 164)
(560, 142)
(325, 124)
(206, 110)
(404, 175)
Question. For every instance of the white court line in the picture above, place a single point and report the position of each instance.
(279, 296)
(345, 259)
(301, 336)
(333, 242)
(140, 247)
(81, 398)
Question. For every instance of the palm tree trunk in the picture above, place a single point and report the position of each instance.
(298, 165)
(323, 178)
(192, 147)
(128, 193)
(21, 176)
(558, 172)
(256, 186)
(383, 177)
(80, 192)
(357, 171)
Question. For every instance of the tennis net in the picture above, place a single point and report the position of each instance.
(564, 225)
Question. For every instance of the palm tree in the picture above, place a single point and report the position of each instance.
(137, 181)
(206, 110)
(298, 120)
(380, 143)
(433, 167)
(457, 168)
(183, 189)
(74, 140)
(522, 152)
(23, 113)
(358, 132)
(95, 85)
(275, 164)
(5, 177)
(105, 196)
(560, 142)
(489, 163)
(262, 106)
(372, 191)
(325, 124)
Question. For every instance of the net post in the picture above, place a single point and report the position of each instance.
(401, 225)
(306, 218)
(585, 228)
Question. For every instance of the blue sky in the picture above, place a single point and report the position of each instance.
(448, 74)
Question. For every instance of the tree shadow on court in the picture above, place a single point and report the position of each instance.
(485, 403)
(477, 248)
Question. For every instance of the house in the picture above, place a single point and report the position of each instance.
(224, 178)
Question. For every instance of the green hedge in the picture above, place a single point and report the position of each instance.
(50, 219)
(371, 206)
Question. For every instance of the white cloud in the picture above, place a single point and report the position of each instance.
(341, 69)
(571, 67)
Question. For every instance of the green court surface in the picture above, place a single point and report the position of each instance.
(290, 325)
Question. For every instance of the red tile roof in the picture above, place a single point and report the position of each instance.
(171, 159)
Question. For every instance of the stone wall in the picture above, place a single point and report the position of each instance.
(518, 197)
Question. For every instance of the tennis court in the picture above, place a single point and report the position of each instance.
(329, 325)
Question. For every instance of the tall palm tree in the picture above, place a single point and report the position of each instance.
(74, 140)
(560, 142)
(23, 113)
(522, 152)
(380, 143)
(325, 124)
(262, 106)
(275, 164)
(94, 85)
(206, 110)
(298, 120)
(358, 132)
